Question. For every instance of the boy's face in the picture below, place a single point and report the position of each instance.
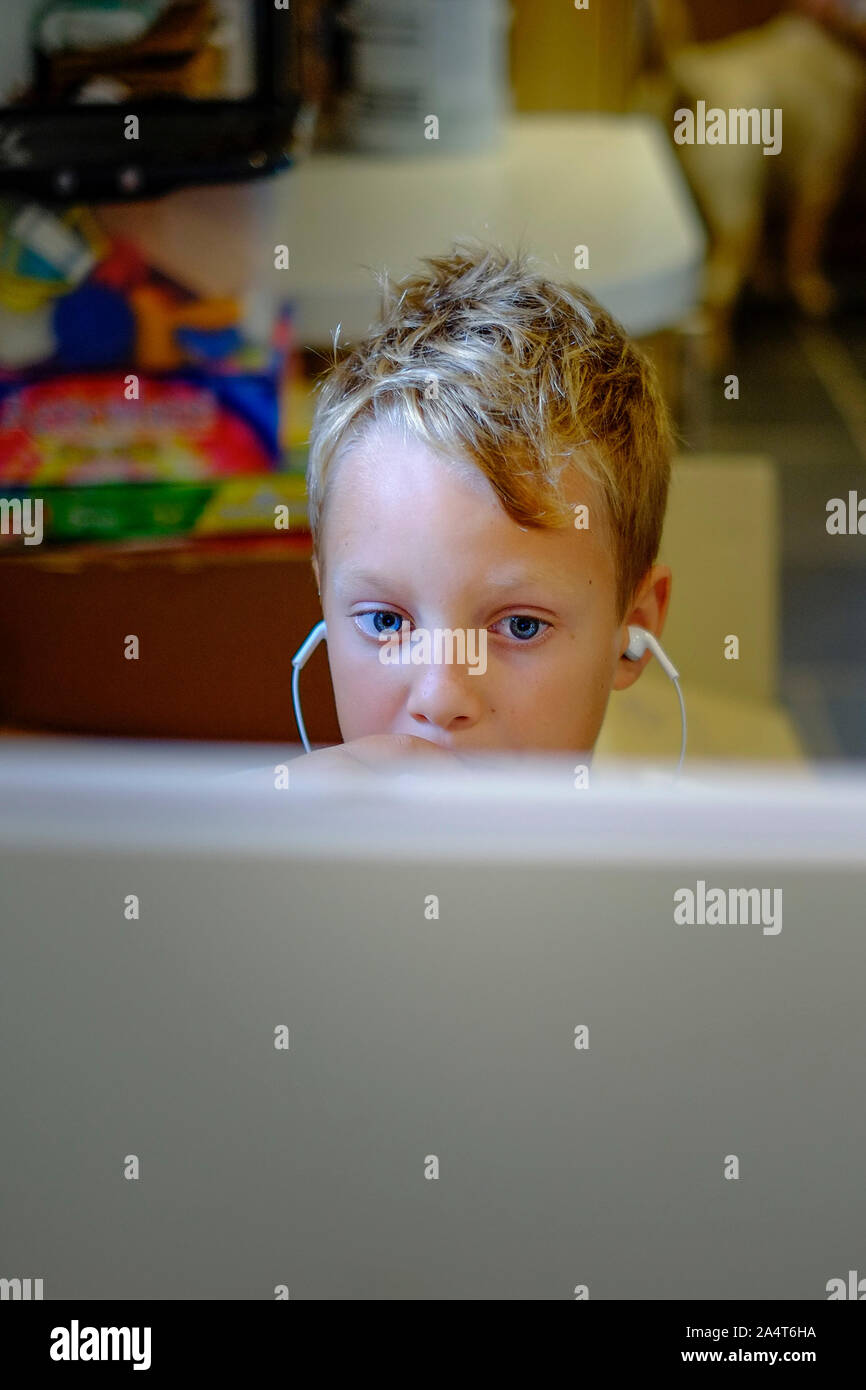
(413, 538)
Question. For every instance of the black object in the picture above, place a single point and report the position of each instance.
(59, 152)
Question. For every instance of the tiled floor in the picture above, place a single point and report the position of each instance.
(803, 402)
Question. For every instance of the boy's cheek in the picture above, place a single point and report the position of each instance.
(359, 715)
(569, 708)
(576, 718)
(365, 704)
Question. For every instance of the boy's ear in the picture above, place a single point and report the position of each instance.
(649, 609)
(315, 563)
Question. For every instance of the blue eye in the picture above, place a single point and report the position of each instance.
(520, 626)
(523, 627)
(392, 621)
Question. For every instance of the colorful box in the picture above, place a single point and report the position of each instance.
(123, 425)
(255, 504)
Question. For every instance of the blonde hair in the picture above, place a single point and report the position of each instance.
(481, 357)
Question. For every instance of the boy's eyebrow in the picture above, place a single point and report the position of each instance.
(367, 579)
(500, 579)
(514, 578)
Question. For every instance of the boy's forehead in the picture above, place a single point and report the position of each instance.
(386, 467)
(392, 496)
(387, 462)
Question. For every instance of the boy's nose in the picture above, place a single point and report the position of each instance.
(446, 697)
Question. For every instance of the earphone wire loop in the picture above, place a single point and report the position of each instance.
(296, 705)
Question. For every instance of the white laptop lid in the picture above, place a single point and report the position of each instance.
(511, 1072)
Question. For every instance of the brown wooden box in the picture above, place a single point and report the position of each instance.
(217, 629)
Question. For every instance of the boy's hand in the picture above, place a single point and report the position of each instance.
(373, 753)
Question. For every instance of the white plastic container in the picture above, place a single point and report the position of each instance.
(427, 75)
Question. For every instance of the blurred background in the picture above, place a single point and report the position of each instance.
(194, 194)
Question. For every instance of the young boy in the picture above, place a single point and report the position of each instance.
(491, 464)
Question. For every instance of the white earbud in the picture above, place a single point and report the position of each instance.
(309, 645)
(639, 641)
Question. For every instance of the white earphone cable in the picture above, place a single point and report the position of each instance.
(296, 702)
(678, 767)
